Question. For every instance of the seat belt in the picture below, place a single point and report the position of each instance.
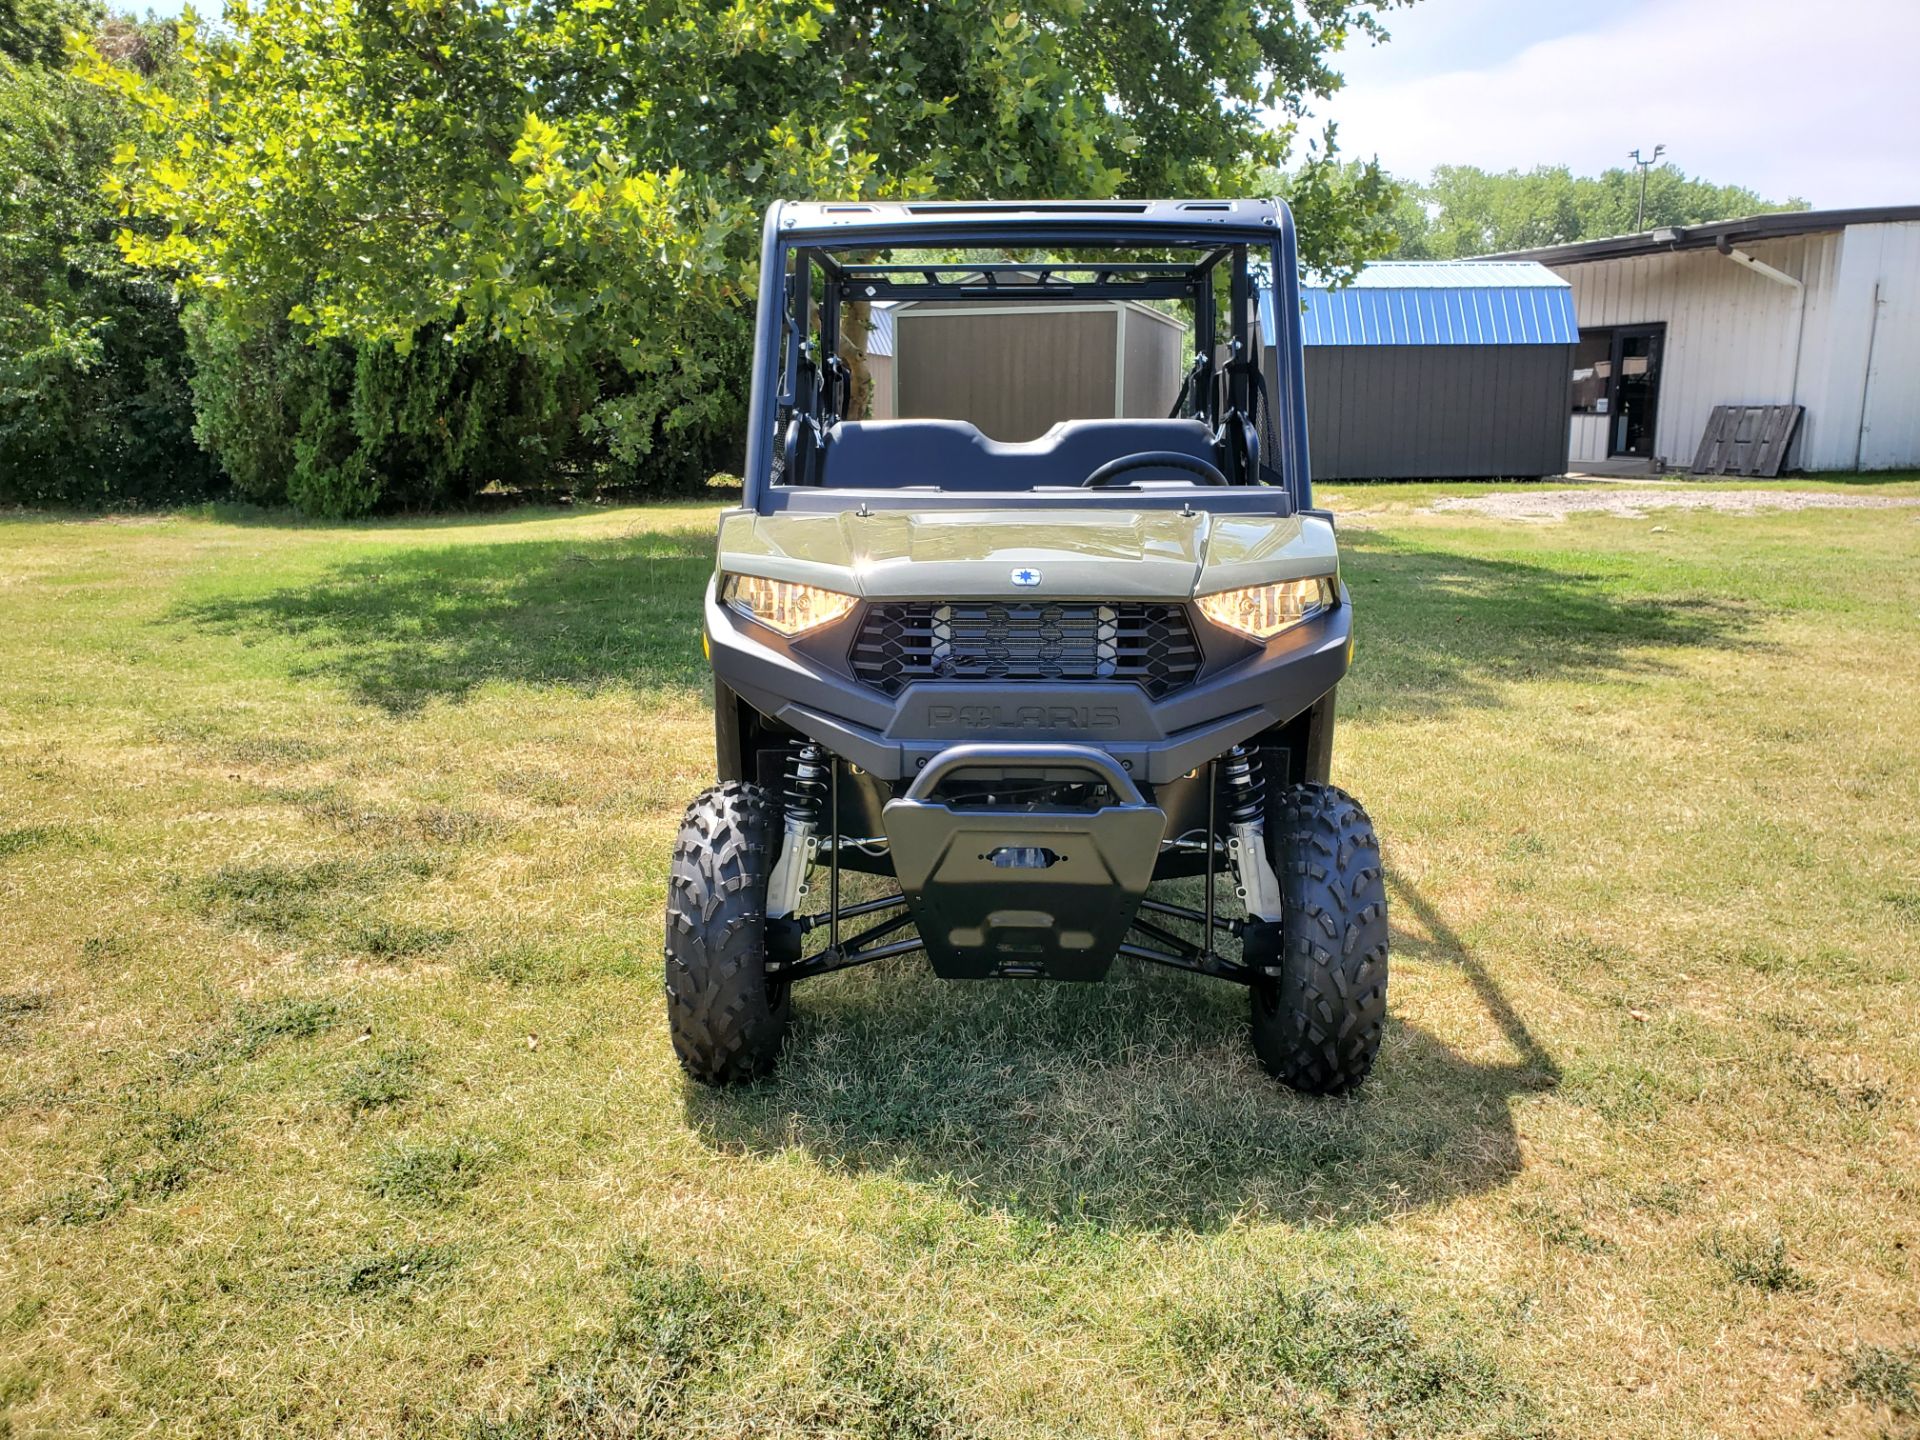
(1186, 388)
(1262, 419)
(839, 387)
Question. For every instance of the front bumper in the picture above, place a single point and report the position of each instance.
(1030, 890)
(1156, 741)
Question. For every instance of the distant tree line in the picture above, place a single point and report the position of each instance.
(365, 255)
(1462, 210)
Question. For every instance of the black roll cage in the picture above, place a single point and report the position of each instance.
(798, 393)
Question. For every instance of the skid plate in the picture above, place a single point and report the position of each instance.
(1022, 892)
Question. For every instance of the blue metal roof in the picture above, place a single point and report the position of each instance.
(1427, 302)
(880, 328)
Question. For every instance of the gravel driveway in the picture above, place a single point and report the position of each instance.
(1550, 505)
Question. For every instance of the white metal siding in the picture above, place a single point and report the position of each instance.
(1588, 438)
(1732, 336)
(1847, 346)
(1871, 383)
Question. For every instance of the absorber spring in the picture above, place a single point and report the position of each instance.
(805, 789)
(1245, 785)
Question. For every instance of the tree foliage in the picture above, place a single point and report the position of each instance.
(34, 32)
(93, 393)
(336, 429)
(1349, 208)
(580, 183)
(1463, 210)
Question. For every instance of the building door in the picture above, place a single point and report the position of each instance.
(1633, 389)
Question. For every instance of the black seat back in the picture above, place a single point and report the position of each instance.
(954, 455)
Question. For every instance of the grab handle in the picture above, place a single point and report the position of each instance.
(1017, 755)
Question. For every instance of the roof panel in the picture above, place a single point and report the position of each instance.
(880, 328)
(1453, 275)
(1773, 226)
(1422, 302)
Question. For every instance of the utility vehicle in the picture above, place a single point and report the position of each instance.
(1025, 676)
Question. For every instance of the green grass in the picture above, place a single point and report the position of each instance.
(335, 1096)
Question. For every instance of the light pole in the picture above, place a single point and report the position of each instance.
(1640, 215)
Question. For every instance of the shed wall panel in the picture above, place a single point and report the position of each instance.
(1412, 411)
(1153, 364)
(880, 397)
(1011, 374)
(1016, 369)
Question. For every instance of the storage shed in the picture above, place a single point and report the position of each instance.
(1818, 309)
(1426, 369)
(1014, 369)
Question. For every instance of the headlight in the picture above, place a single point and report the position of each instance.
(1261, 612)
(783, 605)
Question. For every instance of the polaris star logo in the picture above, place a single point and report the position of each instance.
(1026, 577)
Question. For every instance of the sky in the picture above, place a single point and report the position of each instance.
(1786, 97)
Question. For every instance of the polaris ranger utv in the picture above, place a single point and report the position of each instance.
(1027, 677)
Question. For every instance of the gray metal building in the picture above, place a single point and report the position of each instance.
(1815, 308)
(1438, 370)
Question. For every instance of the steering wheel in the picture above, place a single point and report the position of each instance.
(1205, 471)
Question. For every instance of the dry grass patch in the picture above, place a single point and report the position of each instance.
(335, 1095)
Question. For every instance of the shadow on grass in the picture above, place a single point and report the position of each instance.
(1131, 1105)
(1535, 1066)
(1440, 629)
(486, 509)
(402, 629)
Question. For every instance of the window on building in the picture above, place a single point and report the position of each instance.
(1592, 368)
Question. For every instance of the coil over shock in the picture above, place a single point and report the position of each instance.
(1245, 783)
(803, 795)
(805, 789)
(1246, 786)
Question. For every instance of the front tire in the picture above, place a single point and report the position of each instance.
(1317, 1023)
(727, 1018)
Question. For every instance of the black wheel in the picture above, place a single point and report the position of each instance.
(727, 1019)
(1317, 1025)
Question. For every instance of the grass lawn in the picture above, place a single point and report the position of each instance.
(336, 1098)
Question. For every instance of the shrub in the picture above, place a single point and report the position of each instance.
(338, 430)
(94, 402)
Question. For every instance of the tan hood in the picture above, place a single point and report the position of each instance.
(975, 554)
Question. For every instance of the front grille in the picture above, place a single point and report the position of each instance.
(1150, 645)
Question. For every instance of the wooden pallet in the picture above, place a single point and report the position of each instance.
(1747, 439)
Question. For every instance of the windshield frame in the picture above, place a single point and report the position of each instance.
(1234, 236)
